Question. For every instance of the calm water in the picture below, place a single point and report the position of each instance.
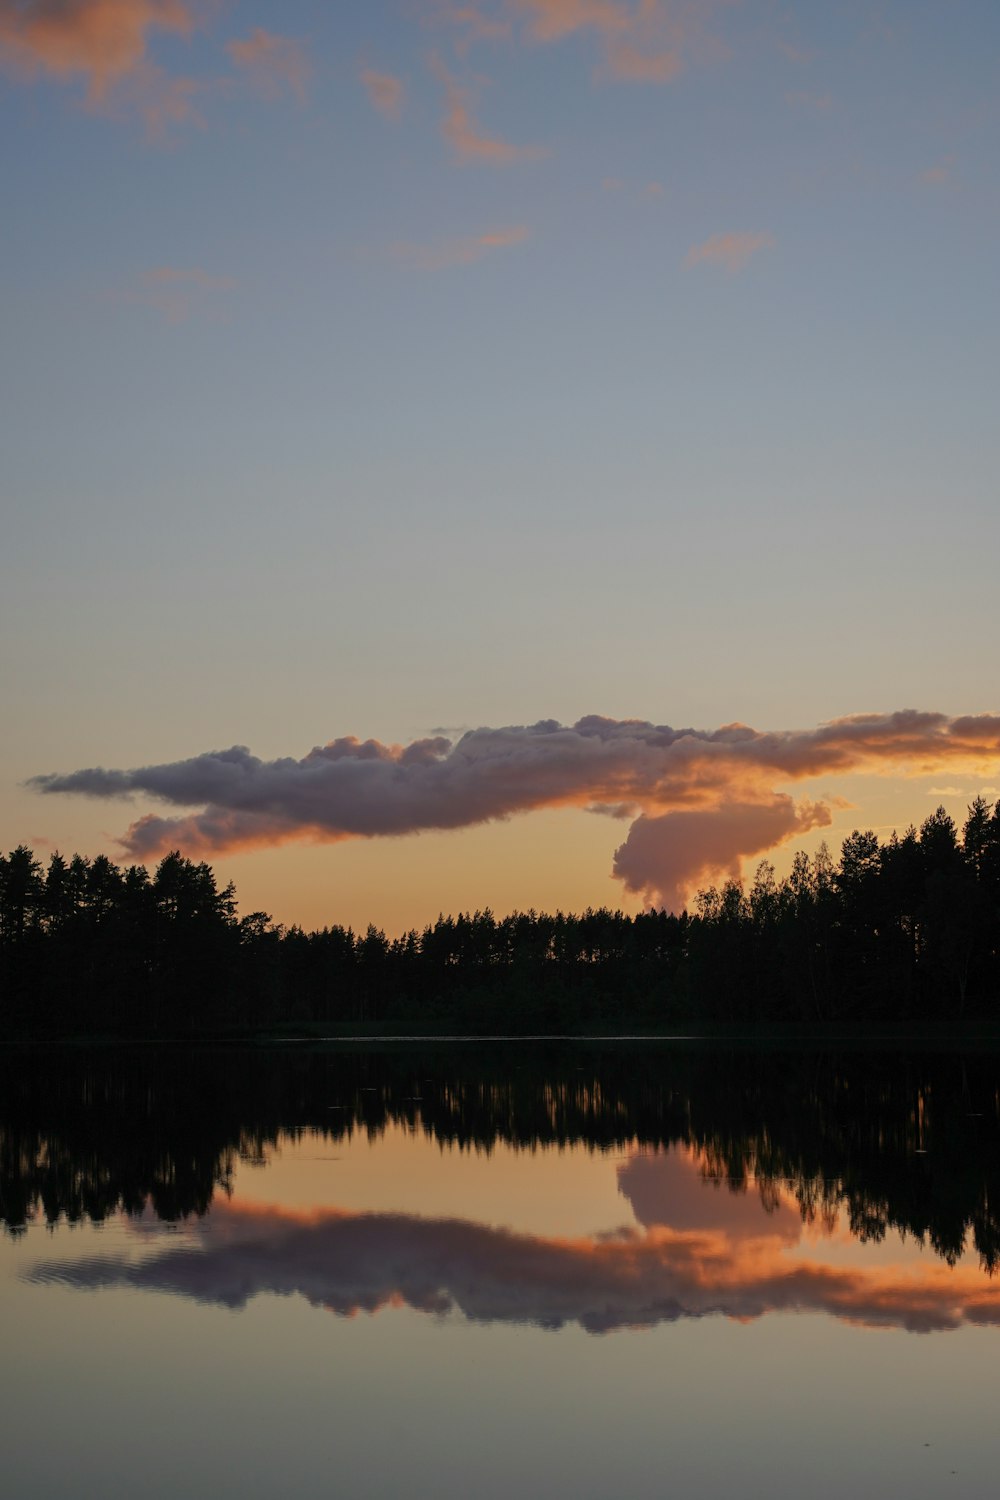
(453, 1270)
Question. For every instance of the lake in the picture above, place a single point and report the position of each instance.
(589, 1269)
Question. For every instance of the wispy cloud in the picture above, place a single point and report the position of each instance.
(731, 250)
(632, 65)
(795, 54)
(273, 63)
(938, 174)
(643, 190)
(731, 778)
(160, 99)
(466, 137)
(106, 43)
(643, 41)
(385, 92)
(177, 292)
(821, 104)
(552, 20)
(459, 251)
(471, 22)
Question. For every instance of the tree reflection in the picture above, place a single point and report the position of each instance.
(902, 1142)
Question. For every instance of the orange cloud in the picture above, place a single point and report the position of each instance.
(473, 23)
(466, 138)
(798, 55)
(105, 41)
(551, 20)
(938, 175)
(629, 63)
(731, 250)
(176, 292)
(159, 99)
(349, 1263)
(385, 92)
(459, 252)
(667, 856)
(273, 63)
(643, 40)
(365, 789)
(646, 190)
(802, 99)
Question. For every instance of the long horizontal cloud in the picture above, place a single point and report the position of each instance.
(350, 1262)
(362, 789)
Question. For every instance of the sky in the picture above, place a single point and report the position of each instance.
(405, 370)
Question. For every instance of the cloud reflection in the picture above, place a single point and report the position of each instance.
(350, 1263)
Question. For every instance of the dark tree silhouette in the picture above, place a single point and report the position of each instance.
(898, 1140)
(905, 931)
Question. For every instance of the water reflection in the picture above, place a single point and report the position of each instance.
(747, 1177)
(668, 1190)
(350, 1263)
(579, 1271)
(907, 1142)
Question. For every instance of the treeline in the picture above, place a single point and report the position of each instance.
(906, 930)
(907, 1141)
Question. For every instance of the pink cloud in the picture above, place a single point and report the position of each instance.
(466, 137)
(632, 65)
(678, 1189)
(794, 54)
(273, 63)
(176, 291)
(102, 40)
(159, 99)
(732, 776)
(643, 41)
(731, 250)
(552, 20)
(666, 857)
(348, 1263)
(384, 91)
(463, 251)
(802, 99)
(472, 22)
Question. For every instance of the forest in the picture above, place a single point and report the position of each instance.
(906, 930)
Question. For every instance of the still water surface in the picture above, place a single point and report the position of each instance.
(460, 1271)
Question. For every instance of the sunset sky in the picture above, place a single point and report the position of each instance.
(399, 368)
